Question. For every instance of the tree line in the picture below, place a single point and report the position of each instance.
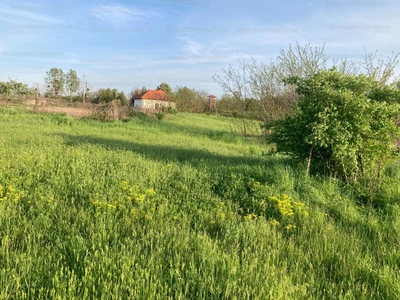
(67, 85)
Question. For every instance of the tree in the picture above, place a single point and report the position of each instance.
(301, 61)
(342, 124)
(122, 98)
(381, 70)
(115, 93)
(55, 80)
(184, 98)
(190, 100)
(137, 91)
(165, 87)
(134, 92)
(72, 83)
(104, 96)
(266, 86)
(237, 84)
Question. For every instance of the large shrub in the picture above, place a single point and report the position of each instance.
(342, 125)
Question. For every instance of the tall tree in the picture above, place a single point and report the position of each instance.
(115, 93)
(55, 80)
(71, 83)
(165, 87)
(122, 98)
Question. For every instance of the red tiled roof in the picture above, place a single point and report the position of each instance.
(152, 95)
(212, 96)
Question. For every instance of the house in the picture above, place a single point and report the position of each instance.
(152, 99)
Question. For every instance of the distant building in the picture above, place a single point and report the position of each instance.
(152, 99)
(212, 103)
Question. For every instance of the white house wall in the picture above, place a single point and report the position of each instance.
(151, 104)
(138, 102)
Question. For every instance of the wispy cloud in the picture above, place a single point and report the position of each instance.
(28, 15)
(116, 15)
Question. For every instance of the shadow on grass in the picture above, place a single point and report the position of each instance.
(261, 168)
(164, 153)
(194, 131)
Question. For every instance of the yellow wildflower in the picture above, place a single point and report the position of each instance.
(274, 222)
(290, 226)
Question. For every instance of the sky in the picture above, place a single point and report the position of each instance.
(127, 44)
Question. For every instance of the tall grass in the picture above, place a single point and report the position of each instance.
(181, 209)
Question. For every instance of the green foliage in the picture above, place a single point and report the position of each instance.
(171, 110)
(343, 124)
(160, 115)
(116, 94)
(165, 87)
(71, 83)
(105, 96)
(165, 110)
(133, 113)
(183, 98)
(13, 87)
(231, 106)
(55, 80)
(123, 99)
(190, 100)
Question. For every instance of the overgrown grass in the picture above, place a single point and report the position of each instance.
(181, 209)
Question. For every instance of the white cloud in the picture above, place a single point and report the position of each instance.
(116, 15)
(13, 15)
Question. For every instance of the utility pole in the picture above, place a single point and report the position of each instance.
(84, 89)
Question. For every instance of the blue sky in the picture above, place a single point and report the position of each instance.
(128, 44)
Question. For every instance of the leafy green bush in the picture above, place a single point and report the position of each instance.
(343, 125)
(171, 110)
(160, 115)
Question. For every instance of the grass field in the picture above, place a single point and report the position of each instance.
(181, 208)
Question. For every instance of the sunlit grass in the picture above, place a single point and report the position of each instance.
(181, 208)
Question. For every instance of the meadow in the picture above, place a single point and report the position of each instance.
(182, 208)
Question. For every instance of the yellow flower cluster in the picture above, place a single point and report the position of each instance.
(219, 213)
(287, 211)
(250, 216)
(131, 196)
(287, 207)
(9, 192)
(274, 222)
(290, 226)
(135, 194)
